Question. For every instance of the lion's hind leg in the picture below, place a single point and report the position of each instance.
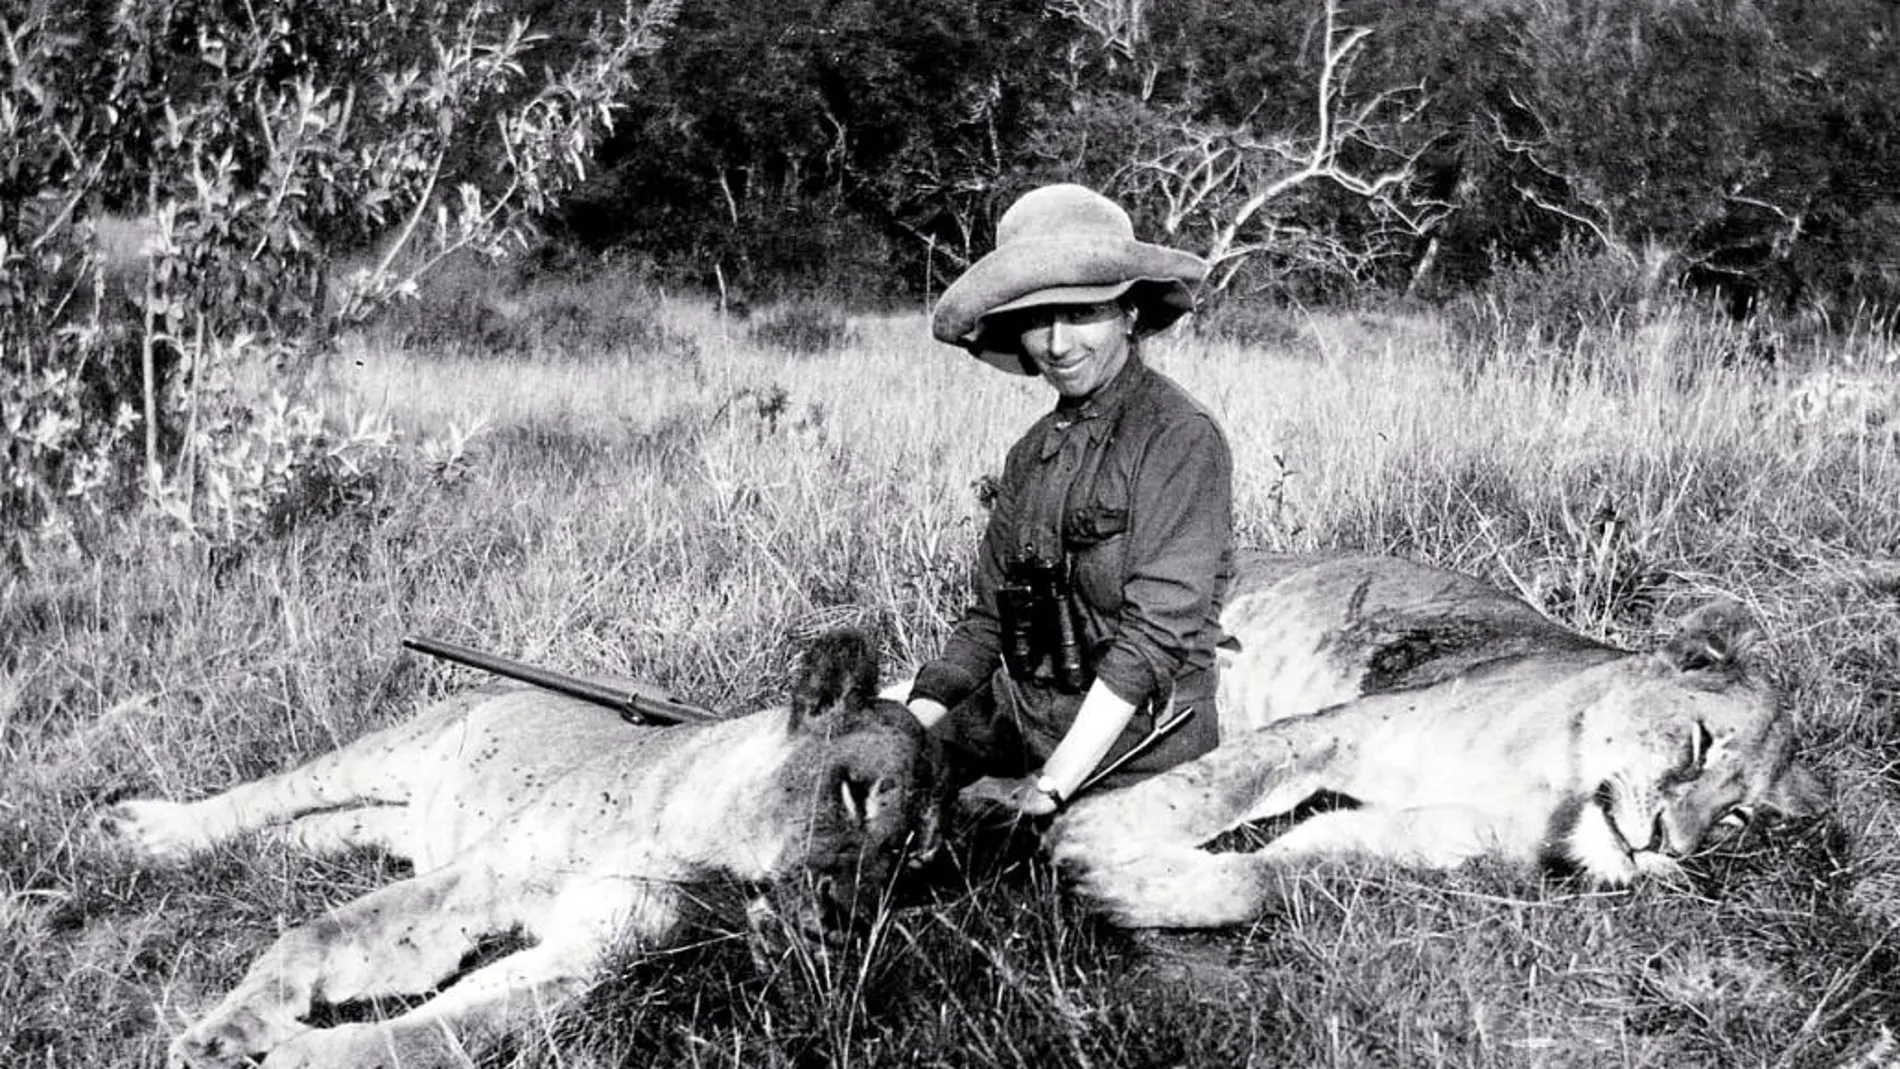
(383, 768)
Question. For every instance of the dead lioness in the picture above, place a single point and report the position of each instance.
(541, 816)
(1454, 721)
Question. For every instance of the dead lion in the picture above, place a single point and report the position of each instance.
(1456, 722)
(532, 813)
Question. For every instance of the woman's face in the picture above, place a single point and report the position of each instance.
(1077, 348)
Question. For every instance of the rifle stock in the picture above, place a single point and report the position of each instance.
(633, 701)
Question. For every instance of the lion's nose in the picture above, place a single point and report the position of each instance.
(924, 847)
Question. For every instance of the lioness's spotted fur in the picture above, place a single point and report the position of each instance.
(537, 815)
(1458, 722)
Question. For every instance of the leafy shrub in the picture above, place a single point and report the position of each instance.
(245, 149)
(562, 309)
(577, 326)
(1548, 304)
(464, 320)
(802, 328)
(1266, 324)
(262, 467)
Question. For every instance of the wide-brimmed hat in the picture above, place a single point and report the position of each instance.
(1063, 244)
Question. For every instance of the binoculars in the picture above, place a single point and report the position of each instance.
(1038, 625)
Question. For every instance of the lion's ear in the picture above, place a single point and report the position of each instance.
(839, 668)
(1715, 637)
(1798, 792)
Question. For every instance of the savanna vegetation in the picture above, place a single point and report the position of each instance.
(636, 484)
(1458, 245)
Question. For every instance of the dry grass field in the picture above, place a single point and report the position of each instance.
(611, 481)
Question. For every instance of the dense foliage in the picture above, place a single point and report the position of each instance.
(1750, 147)
(177, 182)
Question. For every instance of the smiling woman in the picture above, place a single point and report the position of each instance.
(1099, 581)
(1077, 348)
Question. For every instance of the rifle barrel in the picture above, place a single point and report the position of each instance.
(1155, 734)
(633, 701)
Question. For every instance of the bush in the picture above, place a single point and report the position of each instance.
(1549, 303)
(1257, 322)
(557, 307)
(802, 328)
(243, 150)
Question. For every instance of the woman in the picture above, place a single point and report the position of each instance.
(1109, 549)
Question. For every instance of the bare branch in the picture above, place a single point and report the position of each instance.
(1121, 25)
(1230, 182)
(1605, 234)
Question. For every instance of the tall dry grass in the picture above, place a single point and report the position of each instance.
(686, 498)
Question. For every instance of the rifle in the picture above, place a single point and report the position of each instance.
(636, 703)
(1148, 742)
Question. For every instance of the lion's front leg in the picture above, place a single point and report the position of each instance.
(1257, 775)
(1135, 853)
(1432, 837)
(1181, 886)
(403, 939)
(506, 997)
(1178, 886)
(453, 1029)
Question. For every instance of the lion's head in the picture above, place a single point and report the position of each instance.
(863, 785)
(1686, 740)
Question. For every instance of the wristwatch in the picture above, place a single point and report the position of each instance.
(1048, 786)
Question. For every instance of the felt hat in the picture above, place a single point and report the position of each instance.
(1063, 244)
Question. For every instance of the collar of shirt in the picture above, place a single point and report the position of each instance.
(1090, 412)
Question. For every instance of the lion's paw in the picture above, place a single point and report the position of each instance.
(226, 1041)
(346, 1046)
(777, 931)
(155, 830)
(1144, 902)
(1178, 889)
(1661, 868)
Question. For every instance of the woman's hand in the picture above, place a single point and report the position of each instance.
(1006, 798)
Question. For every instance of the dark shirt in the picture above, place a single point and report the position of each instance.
(1135, 484)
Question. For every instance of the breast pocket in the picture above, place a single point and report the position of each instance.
(1096, 536)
